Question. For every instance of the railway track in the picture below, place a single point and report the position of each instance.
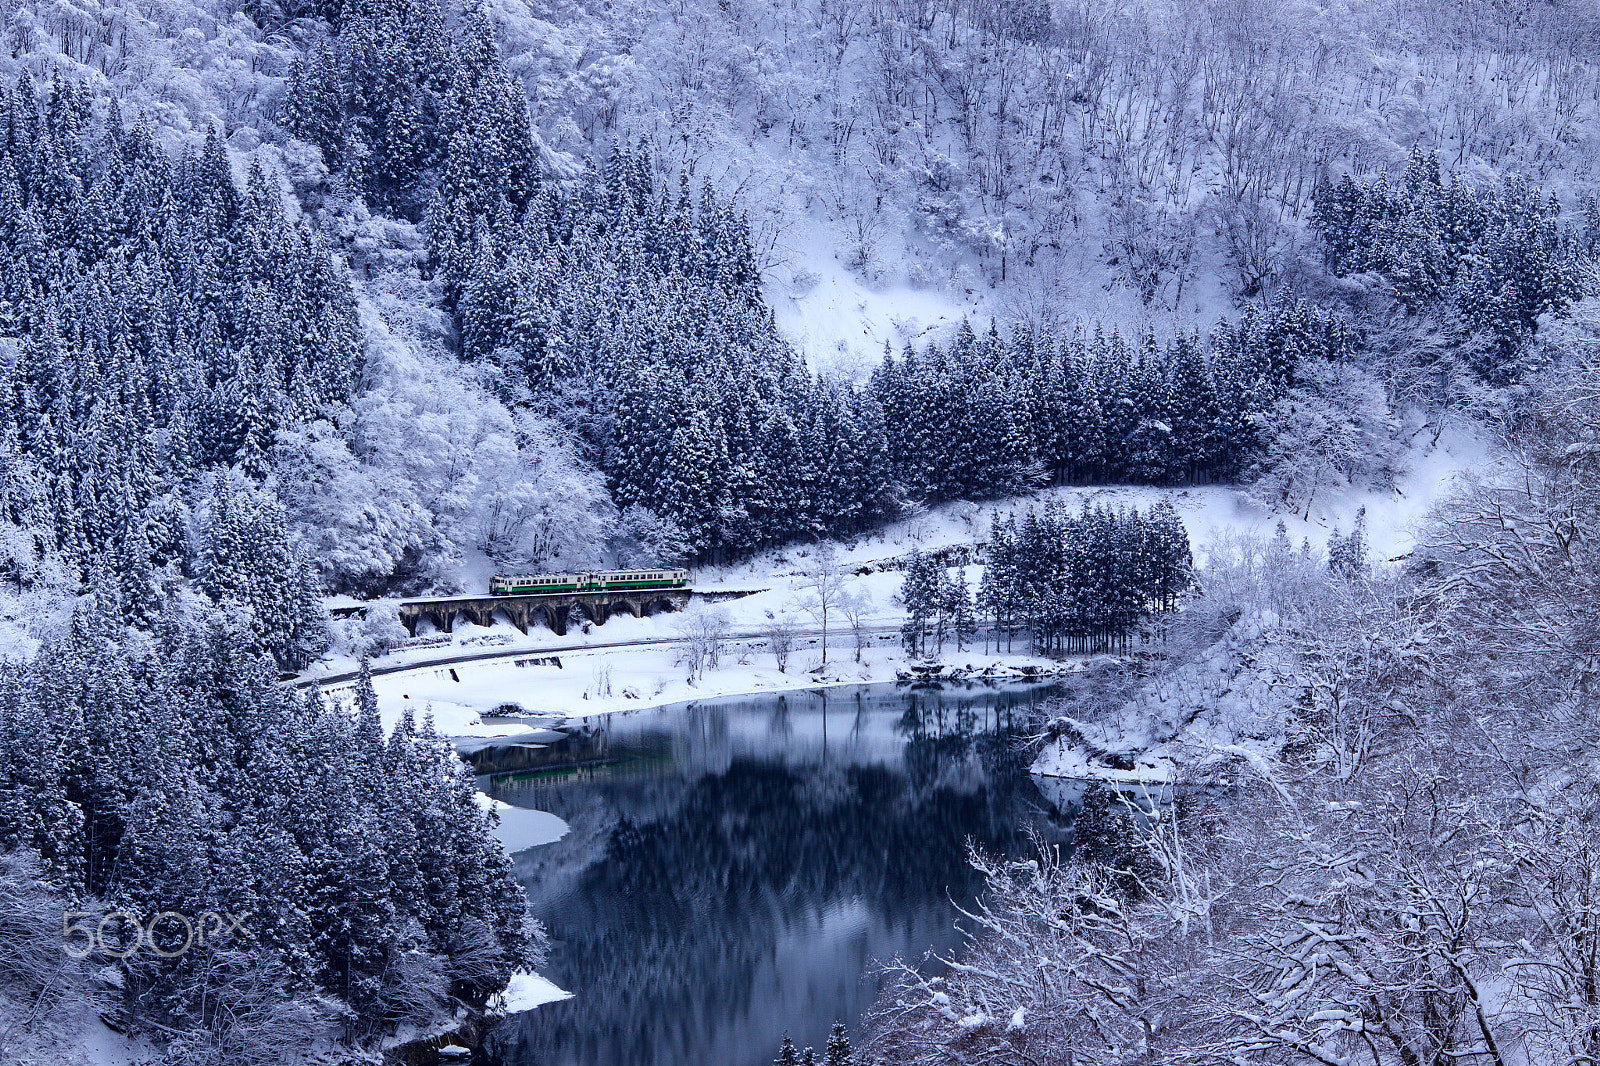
(329, 680)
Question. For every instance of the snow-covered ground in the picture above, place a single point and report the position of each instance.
(839, 317)
(1226, 705)
(527, 991)
(521, 828)
(1222, 706)
(463, 698)
(840, 325)
(71, 1034)
(631, 663)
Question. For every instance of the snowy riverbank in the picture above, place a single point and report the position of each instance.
(631, 663)
(1229, 704)
(507, 696)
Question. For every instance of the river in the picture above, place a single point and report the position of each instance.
(735, 867)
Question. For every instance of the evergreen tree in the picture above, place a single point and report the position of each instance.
(246, 560)
(920, 594)
(956, 605)
(1347, 555)
(1497, 256)
(1084, 583)
(185, 320)
(636, 317)
(838, 1052)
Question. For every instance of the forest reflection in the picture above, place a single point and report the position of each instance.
(734, 867)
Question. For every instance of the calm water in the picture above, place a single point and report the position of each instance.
(735, 866)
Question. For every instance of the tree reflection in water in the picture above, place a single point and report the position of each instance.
(735, 866)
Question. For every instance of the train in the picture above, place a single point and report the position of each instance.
(589, 581)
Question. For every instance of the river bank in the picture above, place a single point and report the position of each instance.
(511, 694)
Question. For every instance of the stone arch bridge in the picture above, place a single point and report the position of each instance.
(552, 609)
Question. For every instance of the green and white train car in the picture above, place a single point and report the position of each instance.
(590, 581)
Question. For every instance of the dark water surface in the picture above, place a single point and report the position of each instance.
(736, 866)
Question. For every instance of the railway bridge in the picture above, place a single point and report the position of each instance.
(553, 609)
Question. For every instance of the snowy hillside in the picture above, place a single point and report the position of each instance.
(1252, 342)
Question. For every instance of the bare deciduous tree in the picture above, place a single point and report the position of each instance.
(1409, 874)
(823, 583)
(1067, 967)
(857, 610)
(703, 630)
(781, 632)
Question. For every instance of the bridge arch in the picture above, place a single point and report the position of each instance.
(554, 618)
(554, 611)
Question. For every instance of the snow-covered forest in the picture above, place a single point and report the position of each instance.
(303, 299)
(1383, 849)
(1072, 584)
